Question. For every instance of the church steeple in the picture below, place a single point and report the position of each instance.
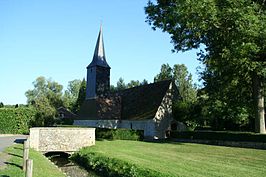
(98, 72)
(99, 58)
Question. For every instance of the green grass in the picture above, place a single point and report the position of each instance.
(185, 159)
(41, 166)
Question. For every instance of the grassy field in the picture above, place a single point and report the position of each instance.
(184, 159)
(41, 166)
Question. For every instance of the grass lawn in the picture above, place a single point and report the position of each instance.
(185, 159)
(41, 166)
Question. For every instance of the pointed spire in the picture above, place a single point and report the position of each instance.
(99, 54)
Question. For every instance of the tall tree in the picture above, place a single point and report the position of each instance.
(165, 73)
(81, 96)
(234, 35)
(120, 85)
(46, 97)
(72, 93)
(182, 79)
(45, 88)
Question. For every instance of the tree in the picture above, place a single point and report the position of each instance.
(120, 85)
(46, 97)
(182, 79)
(81, 96)
(1, 104)
(165, 73)
(45, 88)
(71, 94)
(234, 35)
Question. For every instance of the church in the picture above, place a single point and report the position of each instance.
(147, 107)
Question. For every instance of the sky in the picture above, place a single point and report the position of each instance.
(56, 39)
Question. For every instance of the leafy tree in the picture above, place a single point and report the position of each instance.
(144, 82)
(45, 88)
(234, 35)
(182, 79)
(81, 96)
(133, 83)
(72, 93)
(1, 104)
(120, 85)
(46, 97)
(165, 73)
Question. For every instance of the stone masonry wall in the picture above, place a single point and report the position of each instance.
(61, 139)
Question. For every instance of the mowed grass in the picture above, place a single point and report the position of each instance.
(185, 159)
(42, 167)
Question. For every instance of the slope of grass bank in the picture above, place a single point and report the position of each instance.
(41, 166)
(183, 159)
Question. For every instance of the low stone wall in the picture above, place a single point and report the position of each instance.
(147, 125)
(47, 139)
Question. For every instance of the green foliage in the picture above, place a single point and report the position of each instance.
(45, 97)
(233, 34)
(118, 134)
(16, 120)
(165, 73)
(1, 104)
(45, 89)
(111, 167)
(71, 94)
(81, 97)
(182, 79)
(42, 167)
(121, 85)
(222, 136)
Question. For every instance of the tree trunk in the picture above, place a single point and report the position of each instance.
(258, 97)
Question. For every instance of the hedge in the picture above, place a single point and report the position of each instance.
(16, 120)
(118, 134)
(111, 167)
(219, 135)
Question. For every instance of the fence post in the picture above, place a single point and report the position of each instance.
(26, 148)
(29, 167)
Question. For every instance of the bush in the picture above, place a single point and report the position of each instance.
(16, 120)
(118, 134)
(111, 167)
(222, 136)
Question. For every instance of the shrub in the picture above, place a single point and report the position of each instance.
(222, 136)
(118, 134)
(16, 120)
(111, 167)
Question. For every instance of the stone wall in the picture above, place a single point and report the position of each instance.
(147, 125)
(163, 116)
(47, 139)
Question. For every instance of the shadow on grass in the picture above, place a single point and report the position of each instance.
(18, 148)
(163, 141)
(13, 164)
(15, 155)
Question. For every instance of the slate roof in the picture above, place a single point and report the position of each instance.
(137, 103)
(99, 58)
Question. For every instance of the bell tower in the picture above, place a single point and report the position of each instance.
(98, 72)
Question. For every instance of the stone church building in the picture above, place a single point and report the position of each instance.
(147, 107)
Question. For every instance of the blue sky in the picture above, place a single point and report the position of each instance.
(56, 39)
